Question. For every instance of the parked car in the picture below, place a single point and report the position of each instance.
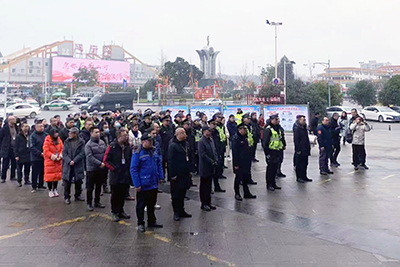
(80, 98)
(380, 114)
(212, 102)
(339, 110)
(396, 108)
(57, 104)
(109, 101)
(23, 110)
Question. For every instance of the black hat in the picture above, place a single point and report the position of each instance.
(246, 115)
(211, 121)
(242, 125)
(84, 112)
(162, 113)
(186, 121)
(146, 136)
(168, 110)
(179, 115)
(205, 128)
(275, 116)
(165, 118)
(77, 114)
(146, 116)
(196, 120)
(70, 119)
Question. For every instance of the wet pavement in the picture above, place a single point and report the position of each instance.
(347, 219)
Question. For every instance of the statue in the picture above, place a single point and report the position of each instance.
(208, 40)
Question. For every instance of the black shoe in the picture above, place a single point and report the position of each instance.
(238, 197)
(308, 180)
(330, 172)
(3, 181)
(89, 207)
(79, 198)
(337, 164)
(176, 217)
(356, 167)
(270, 188)
(154, 225)
(206, 208)
(159, 191)
(252, 182)
(281, 175)
(277, 187)
(187, 198)
(301, 181)
(67, 201)
(212, 207)
(255, 160)
(106, 190)
(42, 187)
(19, 184)
(365, 166)
(184, 215)
(250, 196)
(13, 179)
(225, 167)
(99, 205)
(219, 190)
(222, 177)
(123, 215)
(323, 173)
(115, 217)
(141, 228)
(193, 185)
(27, 183)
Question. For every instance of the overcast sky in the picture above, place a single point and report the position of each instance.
(344, 31)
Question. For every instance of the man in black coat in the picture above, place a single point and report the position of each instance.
(166, 134)
(85, 133)
(146, 123)
(301, 149)
(242, 157)
(64, 131)
(208, 161)
(22, 154)
(179, 171)
(255, 130)
(314, 123)
(335, 129)
(8, 134)
(118, 159)
(219, 149)
(36, 141)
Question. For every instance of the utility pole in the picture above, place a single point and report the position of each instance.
(275, 24)
(284, 77)
(328, 65)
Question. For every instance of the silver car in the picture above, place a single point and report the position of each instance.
(339, 110)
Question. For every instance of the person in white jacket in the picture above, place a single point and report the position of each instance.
(134, 136)
(358, 128)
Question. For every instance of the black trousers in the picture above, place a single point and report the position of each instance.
(323, 159)
(52, 185)
(253, 150)
(67, 188)
(6, 163)
(335, 151)
(165, 167)
(205, 190)
(146, 199)
(26, 166)
(272, 169)
(219, 170)
(301, 166)
(118, 195)
(96, 180)
(178, 198)
(37, 173)
(359, 154)
(244, 177)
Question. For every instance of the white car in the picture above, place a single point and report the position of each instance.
(23, 110)
(79, 98)
(57, 104)
(212, 102)
(380, 114)
(339, 110)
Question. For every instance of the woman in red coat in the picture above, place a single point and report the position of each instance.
(52, 153)
(261, 122)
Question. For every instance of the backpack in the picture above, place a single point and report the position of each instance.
(349, 135)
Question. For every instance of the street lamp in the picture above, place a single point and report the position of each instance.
(275, 24)
(328, 65)
(284, 76)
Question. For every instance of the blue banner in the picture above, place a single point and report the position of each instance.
(175, 110)
(208, 110)
(287, 114)
(228, 110)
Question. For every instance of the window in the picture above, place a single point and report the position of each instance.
(22, 70)
(46, 64)
(19, 107)
(39, 63)
(13, 70)
(30, 71)
(30, 63)
(26, 106)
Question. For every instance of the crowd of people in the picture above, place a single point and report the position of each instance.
(114, 152)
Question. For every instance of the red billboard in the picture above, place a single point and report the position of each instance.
(109, 71)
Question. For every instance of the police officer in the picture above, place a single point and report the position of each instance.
(198, 133)
(302, 149)
(222, 136)
(242, 157)
(274, 144)
(325, 142)
(238, 116)
(250, 139)
(218, 149)
(166, 134)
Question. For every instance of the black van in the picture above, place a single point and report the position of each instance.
(109, 101)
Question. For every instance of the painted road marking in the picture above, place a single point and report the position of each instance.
(325, 181)
(108, 217)
(386, 177)
(352, 172)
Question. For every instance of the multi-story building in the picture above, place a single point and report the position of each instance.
(373, 65)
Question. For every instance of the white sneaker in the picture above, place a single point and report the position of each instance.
(51, 194)
(145, 208)
(55, 192)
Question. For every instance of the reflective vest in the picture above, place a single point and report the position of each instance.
(198, 135)
(275, 143)
(82, 123)
(238, 118)
(250, 139)
(221, 133)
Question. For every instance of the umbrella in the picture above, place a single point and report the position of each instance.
(59, 94)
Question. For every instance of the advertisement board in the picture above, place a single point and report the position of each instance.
(287, 114)
(208, 110)
(175, 110)
(228, 110)
(63, 69)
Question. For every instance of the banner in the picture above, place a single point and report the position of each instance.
(287, 114)
(228, 110)
(208, 110)
(175, 110)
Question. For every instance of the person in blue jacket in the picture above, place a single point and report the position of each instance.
(325, 143)
(146, 171)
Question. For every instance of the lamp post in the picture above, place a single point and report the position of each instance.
(275, 24)
(328, 65)
(284, 77)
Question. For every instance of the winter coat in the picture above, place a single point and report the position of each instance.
(64, 133)
(94, 151)
(301, 140)
(179, 164)
(255, 130)
(207, 157)
(335, 129)
(232, 128)
(344, 125)
(85, 135)
(5, 140)
(52, 169)
(324, 135)
(22, 149)
(144, 126)
(359, 132)
(241, 152)
(261, 124)
(77, 156)
(36, 141)
(119, 170)
(135, 142)
(166, 134)
(314, 125)
(146, 169)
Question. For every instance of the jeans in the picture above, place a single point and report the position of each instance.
(146, 199)
(37, 173)
(27, 168)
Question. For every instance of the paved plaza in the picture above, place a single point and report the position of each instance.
(350, 218)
